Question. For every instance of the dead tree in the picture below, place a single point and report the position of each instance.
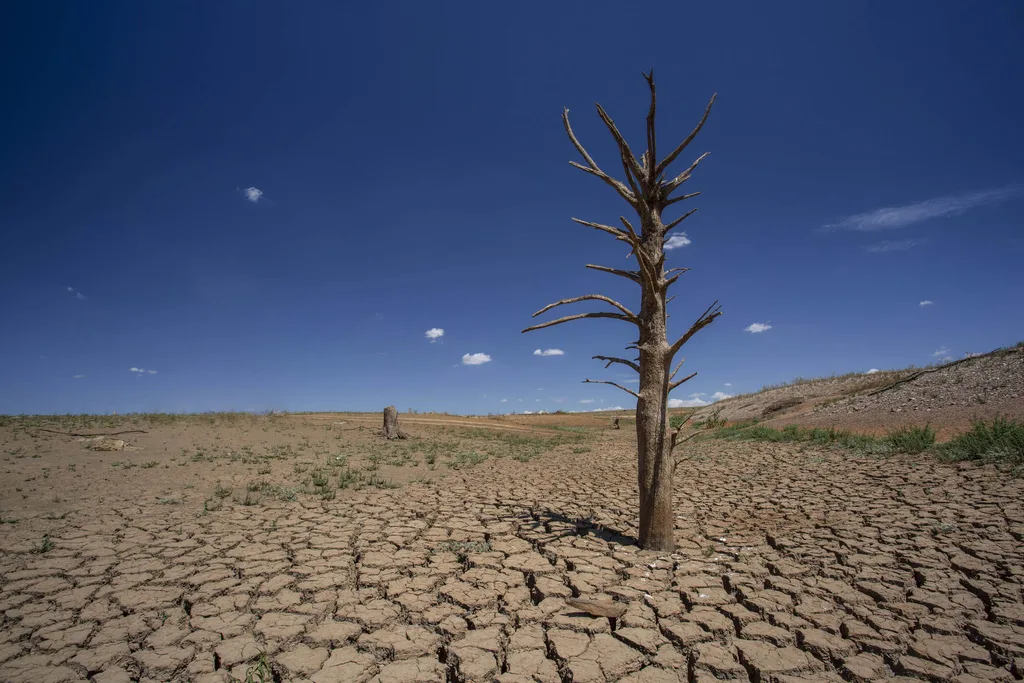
(391, 428)
(648, 190)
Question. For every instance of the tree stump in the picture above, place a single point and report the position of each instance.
(615, 423)
(391, 428)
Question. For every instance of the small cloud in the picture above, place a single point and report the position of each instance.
(71, 289)
(889, 245)
(686, 403)
(755, 328)
(520, 400)
(253, 194)
(678, 240)
(78, 295)
(142, 371)
(872, 371)
(134, 370)
(152, 372)
(926, 302)
(631, 381)
(77, 376)
(728, 384)
(504, 400)
(900, 216)
(549, 352)
(475, 359)
(587, 400)
(941, 351)
(972, 355)
(695, 400)
(433, 334)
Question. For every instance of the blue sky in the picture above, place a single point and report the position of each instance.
(412, 175)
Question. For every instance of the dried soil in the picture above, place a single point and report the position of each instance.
(792, 565)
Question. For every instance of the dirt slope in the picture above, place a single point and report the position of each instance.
(948, 397)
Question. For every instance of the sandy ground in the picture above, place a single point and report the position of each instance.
(792, 564)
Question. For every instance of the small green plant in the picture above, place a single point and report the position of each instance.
(1002, 440)
(463, 460)
(169, 501)
(377, 482)
(912, 440)
(350, 478)
(45, 545)
(149, 465)
(221, 492)
(259, 671)
(462, 549)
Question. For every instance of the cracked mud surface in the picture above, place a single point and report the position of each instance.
(791, 566)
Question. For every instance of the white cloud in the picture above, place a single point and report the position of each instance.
(941, 351)
(695, 400)
(549, 352)
(71, 289)
(253, 194)
(757, 327)
(728, 384)
(872, 371)
(686, 403)
(888, 245)
(475, 359)
(78, 295)
(586, 400)
(152, 372)
(527, 412)
(678, 240)
(926, 302)
(134, 370)
(433, 334)
(900, 216)
(142, 371)
(504, 400)
(77, 376)
(972, 355)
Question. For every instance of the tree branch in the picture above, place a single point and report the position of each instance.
(675, 153)
(592, 166)
(681, 198)
(612, 359)
(680, 219)
(580, 316)
(706, 318)
(650, 155)
(629, 162)
(673, 385)
(670, 187)
(619, 386)
(633, 275)
(615, 232)
(589, 297)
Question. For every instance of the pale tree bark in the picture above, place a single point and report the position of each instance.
(648, 190)
(391, 429)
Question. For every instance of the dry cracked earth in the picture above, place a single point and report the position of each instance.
(792, 565)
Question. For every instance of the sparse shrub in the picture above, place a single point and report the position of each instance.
(259, 671)
(912, 440)
(221, 492)
(350, 478)
(45, 545)
(1002, 440)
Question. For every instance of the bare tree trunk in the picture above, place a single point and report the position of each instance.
(648, 191)
(391, 428)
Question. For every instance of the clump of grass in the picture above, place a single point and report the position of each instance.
(350, 478)
(470, 459)
(149, 465)
(1002, 440)
(45, 545)
(380, 483)
(462, 549)
(259, 671)
(912, 440)
(221, 492)
(169, 501)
